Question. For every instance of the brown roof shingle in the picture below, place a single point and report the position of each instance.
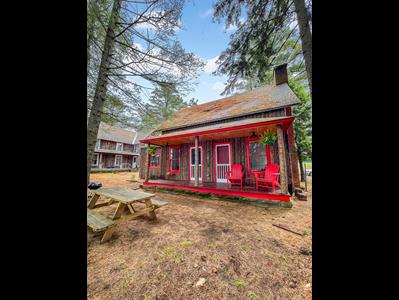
(261, 99)
(115, 134)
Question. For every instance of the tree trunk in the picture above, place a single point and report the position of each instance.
(306, 37)
(303, 177)
(101, 87)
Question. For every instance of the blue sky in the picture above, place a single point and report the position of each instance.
(207, 40)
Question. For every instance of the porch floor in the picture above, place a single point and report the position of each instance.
(248, 191)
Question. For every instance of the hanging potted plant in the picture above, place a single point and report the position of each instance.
(267, 138)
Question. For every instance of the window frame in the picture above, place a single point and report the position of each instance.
(158, 152)
(267, 154)
(117, 144)
(169, 162)
(116, 155)
(97, 159)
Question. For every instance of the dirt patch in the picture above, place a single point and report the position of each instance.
(203, 249)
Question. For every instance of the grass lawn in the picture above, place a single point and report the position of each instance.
(308, 165)
(201, 248)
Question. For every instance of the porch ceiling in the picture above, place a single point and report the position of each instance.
(221, 131)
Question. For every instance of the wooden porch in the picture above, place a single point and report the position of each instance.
(248, 190)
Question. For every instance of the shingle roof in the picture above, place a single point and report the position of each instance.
(261, 99)
(115, 134)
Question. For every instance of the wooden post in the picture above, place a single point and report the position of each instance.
(306, 178)
(196, 161)
(283, 163)
(147, 174)
(293, 154)
(100, 162)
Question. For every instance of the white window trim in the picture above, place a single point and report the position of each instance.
(96, 155)
(118, 155)
(117, 144)
(98, 144)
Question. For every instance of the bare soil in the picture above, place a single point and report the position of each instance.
(203, 249)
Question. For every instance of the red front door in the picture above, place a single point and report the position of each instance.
(222, 161)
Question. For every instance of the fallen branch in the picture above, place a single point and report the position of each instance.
(285, 228)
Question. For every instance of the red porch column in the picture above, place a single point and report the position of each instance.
(283, 163)
(147, 174)
(196, 161)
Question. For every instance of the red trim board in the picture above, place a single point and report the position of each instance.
(283, 198)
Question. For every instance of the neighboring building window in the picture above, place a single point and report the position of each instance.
(256, 155)
(98, 144)
(95, 159)
(174, 159)
(118, 160)
(119, 147)
(155, 160)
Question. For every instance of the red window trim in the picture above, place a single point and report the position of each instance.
(189, 161)
(169, 170)
(214, 156)
(268, 157)
(160, 157)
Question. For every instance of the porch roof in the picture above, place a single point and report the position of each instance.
(221, 131)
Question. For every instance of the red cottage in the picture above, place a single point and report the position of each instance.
(198, 145)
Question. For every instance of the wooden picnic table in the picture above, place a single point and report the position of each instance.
(124, 198)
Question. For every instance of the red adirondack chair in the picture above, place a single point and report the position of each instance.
(235, 176)
(269, 178)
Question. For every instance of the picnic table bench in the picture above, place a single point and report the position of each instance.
(124, 198)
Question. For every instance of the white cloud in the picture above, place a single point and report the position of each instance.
(206, 13)
(229, 29)
(211, 65)
(218, 86)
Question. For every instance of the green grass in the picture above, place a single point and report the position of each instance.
(252, 296)
(239, 283)
(186, 243)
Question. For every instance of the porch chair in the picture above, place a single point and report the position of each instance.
(269, 178)
(235, 176)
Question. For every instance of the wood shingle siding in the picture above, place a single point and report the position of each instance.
(239, 157)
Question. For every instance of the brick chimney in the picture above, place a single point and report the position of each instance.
(280, 74)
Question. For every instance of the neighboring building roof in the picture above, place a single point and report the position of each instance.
(140, 136)
(115, 134)
(261, 99)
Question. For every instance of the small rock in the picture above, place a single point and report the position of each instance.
(195, 266)
(214, 270)
(305, 251)
(200, 282)
(292, 285)
(307, 285)
(203, 258)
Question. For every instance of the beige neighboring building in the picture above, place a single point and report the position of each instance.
(116, 148)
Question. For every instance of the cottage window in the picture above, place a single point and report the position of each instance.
(174, 159)
(256, 154)
(119, 147)
(118, 160)
(155, 161)
(95, 159)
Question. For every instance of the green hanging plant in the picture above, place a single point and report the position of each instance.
(151, 150)
(268, 138)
